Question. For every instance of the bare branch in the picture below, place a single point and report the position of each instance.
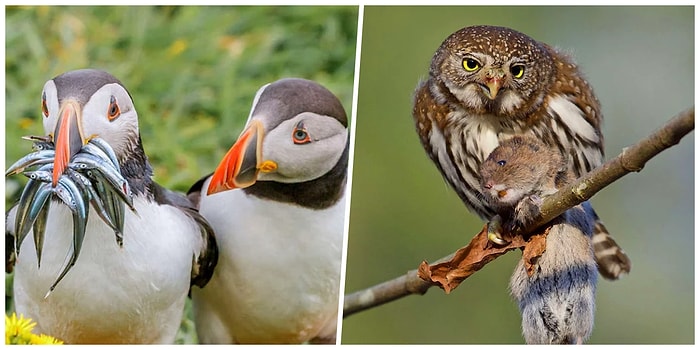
(632, 159)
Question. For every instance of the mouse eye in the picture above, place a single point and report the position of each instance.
(501, 162)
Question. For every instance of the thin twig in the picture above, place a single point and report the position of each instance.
(632, 159)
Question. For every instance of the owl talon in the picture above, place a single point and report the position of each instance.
(496, 238)
(494, 229)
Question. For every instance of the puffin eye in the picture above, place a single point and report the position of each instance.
(470, 64)
(501, 162)
(113, 111)
(44, 107)
(300, 136)
(517, 70)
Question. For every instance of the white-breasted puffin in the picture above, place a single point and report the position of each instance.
(130, 294)
(277, 204)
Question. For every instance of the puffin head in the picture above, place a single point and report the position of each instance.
(296, 132)
(82, 104)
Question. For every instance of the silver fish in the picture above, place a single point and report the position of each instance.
(31, 159)
(25, 200)
(41, 146)
(113, 205)
(105, 147)
(99, 171)
(40, 142)
(39, 229)
(92, 178)
(40, 175)
(34, 196)
(65, 195)
(85, 186)
(38, 214)
(80, 217)
(99, 153)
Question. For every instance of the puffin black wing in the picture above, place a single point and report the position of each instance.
(203, 266)
(195, 192)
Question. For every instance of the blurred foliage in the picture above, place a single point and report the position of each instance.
(192, 72)
(403, 212)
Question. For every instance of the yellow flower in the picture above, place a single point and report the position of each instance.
(18, 330)
(43, 339)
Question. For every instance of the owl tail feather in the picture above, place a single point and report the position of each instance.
(612, 261)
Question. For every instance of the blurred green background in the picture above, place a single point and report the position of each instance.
(640, 62)
(192, 72)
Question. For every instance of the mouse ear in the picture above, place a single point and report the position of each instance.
(535, 147)
(561, 179)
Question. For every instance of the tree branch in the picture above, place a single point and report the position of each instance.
(632, 159)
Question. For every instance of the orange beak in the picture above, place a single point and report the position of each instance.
(68, 137)
(241, 164)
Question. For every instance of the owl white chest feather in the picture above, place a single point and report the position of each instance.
(460, 153)
(278, 275)
(135, 293)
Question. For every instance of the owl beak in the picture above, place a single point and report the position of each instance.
(493, 82)
(68, 137)
(493, 87)
(240, 166)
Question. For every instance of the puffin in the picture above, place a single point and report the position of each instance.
(133, 293)
(277, 204)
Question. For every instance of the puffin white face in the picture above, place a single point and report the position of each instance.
(109, 114)
(295, 133)
(303, 148)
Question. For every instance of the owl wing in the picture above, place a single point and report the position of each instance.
(574, 117)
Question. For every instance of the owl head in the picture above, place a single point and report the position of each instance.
(494, 70)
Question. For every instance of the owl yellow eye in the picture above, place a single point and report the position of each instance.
(470, 64)
(517, 70)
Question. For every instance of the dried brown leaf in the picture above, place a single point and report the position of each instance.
(479, 252)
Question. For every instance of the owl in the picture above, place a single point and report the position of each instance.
(487, 84)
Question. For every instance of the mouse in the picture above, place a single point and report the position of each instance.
(517, 175)
(557, 300)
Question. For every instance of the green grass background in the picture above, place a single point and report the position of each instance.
(192, 72)
(639, 60)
